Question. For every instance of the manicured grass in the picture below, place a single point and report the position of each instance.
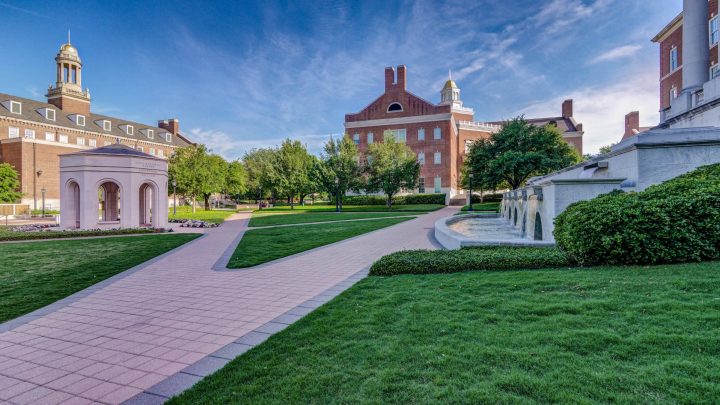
(488, 206)
(358, 208)
(216, 216)
(8, 235)
(301, 217)
(35, 274)
(600, 335)
(263, 245)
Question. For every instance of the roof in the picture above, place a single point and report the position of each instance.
(450, 84)
(93, 122)
(669, 28)
(115, 149)
(563, 124)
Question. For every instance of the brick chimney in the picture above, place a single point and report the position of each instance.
(170, 125)
(567, 108)
(632, 123)
(402, 77)
(389, 78)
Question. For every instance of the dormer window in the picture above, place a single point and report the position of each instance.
(395, 107)
(168, 136)
(13, 106)
(106, 125)
(128, 129)
(48, 113)
(150, 134)
(78, 119)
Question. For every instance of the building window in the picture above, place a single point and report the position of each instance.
(714, 71)
(13, 132)
(438, 185)
(421, 158)
(152, 151)
(395, 107)
(92, 143)
(421, 134)
(421, 185)
(49, 136)
(80, 141)
(168, 136)
(714, 31)
(29, 134)
(160, 152)
(129, 129)
(141, 149)
(438, 158)
(15, 107)
(106, 125)
(80, 120)
(50, 114)
(370, 138)
(356, 139)
(150, 133)
(400, 135)
(673, 93)
(437, 134)
(63, 138)
(673, 59)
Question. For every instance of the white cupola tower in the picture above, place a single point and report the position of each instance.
(450, 93)
(68, 93)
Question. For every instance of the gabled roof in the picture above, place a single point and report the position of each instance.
(115, 149)
(62, 118)
(563, 124)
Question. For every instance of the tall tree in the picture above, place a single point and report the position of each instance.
(478, 162)
(184, 168)
(392, 166)
(260, 168)
(292, 170)
(9, 184)
(235, 180)
(521, 150)
(213, 177)
(339, 161)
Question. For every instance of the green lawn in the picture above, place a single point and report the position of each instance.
(216, 216)
(35, 274)
(301, 217)
(595, 335)
(8, 235)
(358, 208)
(263, 245)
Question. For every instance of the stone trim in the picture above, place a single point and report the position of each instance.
(398, 121)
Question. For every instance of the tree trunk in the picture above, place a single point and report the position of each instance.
(389, 201)
(207, 201)
(302, 199)
(291, 201)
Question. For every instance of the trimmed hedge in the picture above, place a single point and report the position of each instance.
(469, 259)
(488, 198)
(409, 199)
(6, 236)
(672, 222)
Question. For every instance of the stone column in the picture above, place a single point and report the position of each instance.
(695, 52)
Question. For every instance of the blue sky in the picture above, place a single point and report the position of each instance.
(241, 75)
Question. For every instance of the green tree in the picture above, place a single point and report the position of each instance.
(478, 162)
(235, 180)
(293, 164)
(519, 151)
(213, 176)
(197, 173)
(339, 160)
(392, 166)
(9, 184)
(604, 150)
(260, 169)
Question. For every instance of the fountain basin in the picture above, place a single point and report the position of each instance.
(480, 229)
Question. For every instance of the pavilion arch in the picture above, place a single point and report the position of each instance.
(538, 227)
(109, 200)
(72, 205)
(148, 203)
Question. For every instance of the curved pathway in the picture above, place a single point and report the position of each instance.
(154, 330)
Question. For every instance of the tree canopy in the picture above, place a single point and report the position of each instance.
(9, 184)
(392, 166)
(291, 174)
(339, 160)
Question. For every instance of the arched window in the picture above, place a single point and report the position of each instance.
(538, 227)
(395, 107)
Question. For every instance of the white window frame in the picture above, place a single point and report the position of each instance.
(92, 143)
(152, 151)
(673, 93)
(674, 63)
(395, 111)
(48, 112)
(62, 138)
(421, 185)
(29, 133)
(129, 130)
(50, 136)
(370, 138)
(714, 36)
(13, 104)
(13, 132)
(421, 134)
(140, 148)
(437, 158)
(80, 141)
(150, 134)
(395, 133)
(80, 120)
(356, 138)
(107, 125)
(437, 185)
(437, 133)
(168, 137)
(421, 158)
(714, 71)
(160, 152)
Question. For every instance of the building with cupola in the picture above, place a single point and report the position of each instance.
(439, 134)
(33, 134)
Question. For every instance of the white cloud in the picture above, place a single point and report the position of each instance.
(620, 52)
(602, 110)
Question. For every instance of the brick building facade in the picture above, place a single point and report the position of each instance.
(438, 133)
(33, 134)
(670, 47)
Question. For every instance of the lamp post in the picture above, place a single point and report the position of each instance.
(337, 194)
(470, 177)
(174, 183)
(43, 202)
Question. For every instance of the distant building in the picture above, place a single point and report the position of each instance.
(632, 125)
(34, 133)
(438, 133)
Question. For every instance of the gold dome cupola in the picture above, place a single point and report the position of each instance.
(68, 93)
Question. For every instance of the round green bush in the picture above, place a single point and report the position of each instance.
(675, 221)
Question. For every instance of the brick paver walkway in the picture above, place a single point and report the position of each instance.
(142, 329)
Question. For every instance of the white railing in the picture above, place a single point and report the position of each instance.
(479, 125)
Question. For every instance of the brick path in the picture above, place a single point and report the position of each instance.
(153, 331)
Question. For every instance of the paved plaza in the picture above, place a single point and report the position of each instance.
(152, 331)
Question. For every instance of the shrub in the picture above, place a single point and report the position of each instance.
(487, 198)
(675, 221)
(469, 259)
(397, 200)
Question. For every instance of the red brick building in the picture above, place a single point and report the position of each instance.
(34, 133)
(437, 133)
(669, 40)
